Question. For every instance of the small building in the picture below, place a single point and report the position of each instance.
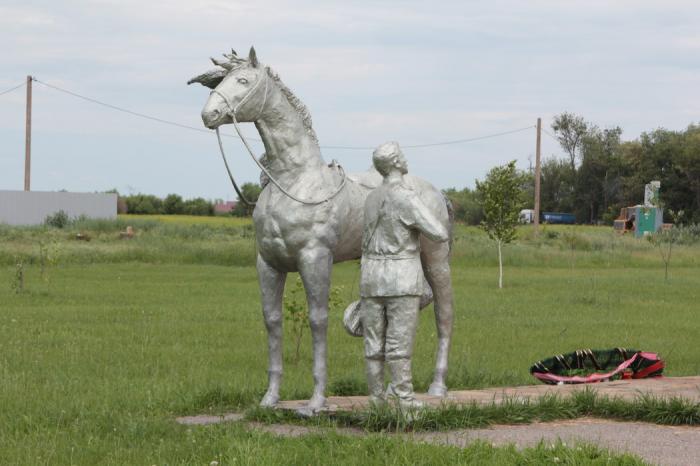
(639, 219)
(32, 207)
(642, 219)
(224, 207)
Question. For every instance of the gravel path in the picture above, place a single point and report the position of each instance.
(662, 445)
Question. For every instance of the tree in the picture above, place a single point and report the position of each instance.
(664, 240)
(198, 206)
(144, 204)
(173, 204)
(501, 195)
(688, 162)
(555, 193)
(570, 130)
(466, 205)
(597, 179)
(250, 191)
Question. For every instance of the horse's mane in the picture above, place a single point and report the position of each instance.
(296, 103)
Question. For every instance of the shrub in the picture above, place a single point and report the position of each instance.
(173, 204)
(57, 220)
(466, 205)
(144, 204)
(198, 206)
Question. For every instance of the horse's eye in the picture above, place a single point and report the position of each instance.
(243, 80)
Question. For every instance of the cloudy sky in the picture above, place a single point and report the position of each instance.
(370, 71)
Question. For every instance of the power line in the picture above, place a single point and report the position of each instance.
(550, 134)
(445, 143)
(124, 110)
(478, 138)
(13, 88)
(202, 130)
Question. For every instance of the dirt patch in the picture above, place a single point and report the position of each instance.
(663, 445)
(206, 419)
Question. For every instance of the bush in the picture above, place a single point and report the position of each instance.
(144, 204)
(198, 206)
(173, 204)
(467, 205)
(57, 220)
(689, 234)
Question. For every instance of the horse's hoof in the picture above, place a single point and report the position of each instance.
(269, 400)
(437, 389)
(316, 403)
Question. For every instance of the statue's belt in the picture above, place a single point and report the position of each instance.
(393, 257)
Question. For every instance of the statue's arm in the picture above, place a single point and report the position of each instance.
(417, 215)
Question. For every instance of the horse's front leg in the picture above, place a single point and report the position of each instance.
(315, 269)
(271, 291)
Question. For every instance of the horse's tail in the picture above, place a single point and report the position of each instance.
(450, 218)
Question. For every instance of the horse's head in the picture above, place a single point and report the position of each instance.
(239, 84)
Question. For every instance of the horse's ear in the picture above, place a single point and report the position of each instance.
(252, 57)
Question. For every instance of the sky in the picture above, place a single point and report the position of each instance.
(369, 71)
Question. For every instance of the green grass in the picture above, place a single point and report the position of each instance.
(672, 411)
(126, 334)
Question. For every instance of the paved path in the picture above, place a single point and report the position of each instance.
(663, 387)
(663, 445)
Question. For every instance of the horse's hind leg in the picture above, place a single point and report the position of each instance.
(437, 271)
(271, 292)
(315, 266)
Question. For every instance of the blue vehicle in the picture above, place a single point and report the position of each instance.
(558, 218)
(528, 216)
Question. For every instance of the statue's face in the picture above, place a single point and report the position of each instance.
(244, 82)
(401, 163)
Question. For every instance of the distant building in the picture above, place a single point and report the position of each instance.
(224, 207)
(32, 207)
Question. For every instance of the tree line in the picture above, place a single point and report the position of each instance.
(174, 204)
(600, 173)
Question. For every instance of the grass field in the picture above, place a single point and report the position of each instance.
(120, 336)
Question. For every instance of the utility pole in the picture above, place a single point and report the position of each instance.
(537, 176)
(28, 138)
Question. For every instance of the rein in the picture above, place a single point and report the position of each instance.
(232, 112)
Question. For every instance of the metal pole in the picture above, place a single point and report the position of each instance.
(537, 176)
(28, 138)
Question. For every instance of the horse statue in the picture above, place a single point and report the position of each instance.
(310, 215)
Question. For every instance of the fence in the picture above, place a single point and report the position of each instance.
(32, 207)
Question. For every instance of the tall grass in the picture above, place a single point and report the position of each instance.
(230, 241)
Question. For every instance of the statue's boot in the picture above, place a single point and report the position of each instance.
(375, 381)
(402, 383)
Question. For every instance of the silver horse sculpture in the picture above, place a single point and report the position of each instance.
(310, 216)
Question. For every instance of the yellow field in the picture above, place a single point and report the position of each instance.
(192, 219)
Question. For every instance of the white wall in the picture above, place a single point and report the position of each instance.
(32, 207)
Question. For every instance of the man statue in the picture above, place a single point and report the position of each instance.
(391, 275)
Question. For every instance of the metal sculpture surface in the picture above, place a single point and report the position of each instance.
(391, 276)
(310, 216)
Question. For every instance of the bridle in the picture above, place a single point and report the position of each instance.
(232, 113)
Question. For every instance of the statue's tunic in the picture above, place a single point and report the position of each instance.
(395, 217)
(391, 277)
